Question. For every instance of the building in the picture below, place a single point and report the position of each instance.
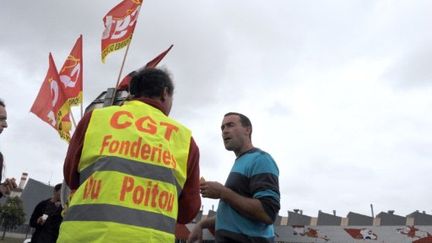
(390, 219)
(328, 219)
(296, 227)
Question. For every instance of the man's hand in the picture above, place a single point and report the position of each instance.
(211, 189)
(195, 234)
(7, 186)
(41, 220)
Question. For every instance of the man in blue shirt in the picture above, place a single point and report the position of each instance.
(250, 199)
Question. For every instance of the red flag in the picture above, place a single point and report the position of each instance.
(153, 63)
(119, 26)
(124, 84)
(71, 74)
(50, 104)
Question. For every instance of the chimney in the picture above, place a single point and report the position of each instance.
(301, 212)
(391, 212)
(296, 210)
(23, 180)
(16, 192)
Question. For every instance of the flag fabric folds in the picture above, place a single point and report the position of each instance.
(71, 74)
(119, 26)
(124, 84)
(153, 63)
(51, 105)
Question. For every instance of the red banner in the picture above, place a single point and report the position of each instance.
(153, 63)
(124, 84)
(119, 26)
(51, 105)
(71, 74)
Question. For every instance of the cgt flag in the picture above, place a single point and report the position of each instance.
(119, 26)
(51, 105)
(71, 74)
(124, 84)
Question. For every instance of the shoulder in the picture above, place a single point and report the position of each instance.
(43, 202)
(83, 123)
(193, 144)
(263, 162)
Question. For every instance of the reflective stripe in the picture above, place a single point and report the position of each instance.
(131, 167)
(122, 215)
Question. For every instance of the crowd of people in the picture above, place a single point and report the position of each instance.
(134, 173)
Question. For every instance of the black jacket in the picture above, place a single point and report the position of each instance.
(48, 232)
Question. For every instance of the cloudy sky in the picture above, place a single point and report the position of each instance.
(339, 92)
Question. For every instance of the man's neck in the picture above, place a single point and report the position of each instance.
(243, 150)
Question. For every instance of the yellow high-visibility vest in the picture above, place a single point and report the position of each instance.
(132, 169)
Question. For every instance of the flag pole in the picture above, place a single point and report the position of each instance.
(82, 83)
(123, 62)
(81, 110)
(73, 119)
(120, 73)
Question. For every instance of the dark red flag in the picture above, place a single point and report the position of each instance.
(124, 84)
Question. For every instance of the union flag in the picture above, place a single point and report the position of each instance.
(71, 74)
(119, 26)
(51, 105)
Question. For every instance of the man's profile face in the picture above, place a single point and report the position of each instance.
(56, 195)
(3, 118)
(234, 134)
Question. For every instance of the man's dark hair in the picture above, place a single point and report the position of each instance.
(2, 103)
(244, 120)
(150, 82)
(57, 187)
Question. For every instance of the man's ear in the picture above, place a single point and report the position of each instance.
(249, 130)
(165, 94)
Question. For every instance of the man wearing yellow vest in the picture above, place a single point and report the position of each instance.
(134, 170)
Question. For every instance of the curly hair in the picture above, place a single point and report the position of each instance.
(150, 82)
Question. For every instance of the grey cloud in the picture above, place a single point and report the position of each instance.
(411, 70)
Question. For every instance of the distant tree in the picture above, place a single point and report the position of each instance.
(11, 214)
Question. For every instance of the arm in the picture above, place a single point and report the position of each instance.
(263, 184)
(190, 200)
(70, 167)
(7, 186)
(37, 213)
(249, 207)
(196, 232)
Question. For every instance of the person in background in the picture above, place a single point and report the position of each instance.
(135, 171)
(9, 184)
(250, 199)
(3, 116)
(46, 218)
